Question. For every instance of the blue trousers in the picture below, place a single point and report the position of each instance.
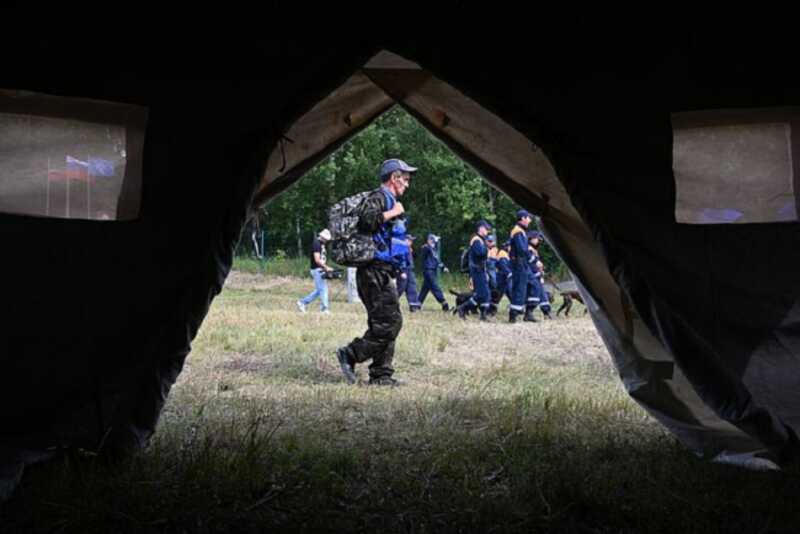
(429, 284)
(544, 300)
(519, 285)
(480, 285)
(408, 285)
(503, 285)
(493, 276)
(534, 292)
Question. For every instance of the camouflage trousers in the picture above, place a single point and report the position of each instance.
(384, 320)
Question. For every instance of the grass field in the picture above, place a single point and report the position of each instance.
(498, 428)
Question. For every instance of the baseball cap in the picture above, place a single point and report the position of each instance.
(325, 234)
(534, 233)
(484, 223)
(491, 238)
(433, 237)
(391, 165)
(523, 213)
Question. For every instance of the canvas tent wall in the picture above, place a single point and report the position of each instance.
(105, 311)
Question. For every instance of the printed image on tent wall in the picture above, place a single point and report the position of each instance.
(734, 166)
(69, 158)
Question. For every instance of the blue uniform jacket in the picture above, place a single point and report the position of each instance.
(430, 261)
(533, 258)
(520, 254)
(477, 253)
(503, 264)
(389, 236)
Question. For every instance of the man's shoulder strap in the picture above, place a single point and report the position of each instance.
(387, 196)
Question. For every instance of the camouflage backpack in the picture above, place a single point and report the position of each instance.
(349, 246)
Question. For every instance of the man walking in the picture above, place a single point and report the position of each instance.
(477, 271)
(430, 265)
(491, 271)
(374, 279)
(537, 268)
(318, 268)
(519, 255)
(407, 282)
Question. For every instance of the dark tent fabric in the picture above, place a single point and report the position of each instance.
(700, 319)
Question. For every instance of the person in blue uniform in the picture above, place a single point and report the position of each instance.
(503, 275)
(491, 271)
(430, 266)
(491, 260)
(478, 254)
(407, 281)
(535, 239)
(534, 287)
(519, 254)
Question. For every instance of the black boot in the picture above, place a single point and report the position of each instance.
(445, 307)
(483, 313)
(512, 315)
(529, 316)
(462, 311)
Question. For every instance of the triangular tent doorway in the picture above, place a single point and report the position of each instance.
(520, 168)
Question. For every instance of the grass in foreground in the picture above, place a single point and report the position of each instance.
(505, 428)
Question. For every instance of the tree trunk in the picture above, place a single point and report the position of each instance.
(299, 237)
(492, 197)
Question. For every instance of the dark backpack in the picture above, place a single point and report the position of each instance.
(349, 246)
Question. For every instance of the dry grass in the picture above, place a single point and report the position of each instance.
(509, 428)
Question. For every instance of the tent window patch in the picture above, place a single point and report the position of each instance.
(734, 167)
(69, 158)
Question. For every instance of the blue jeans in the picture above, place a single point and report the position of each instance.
(320, 290)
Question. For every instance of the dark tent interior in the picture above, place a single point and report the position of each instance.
(699, 316)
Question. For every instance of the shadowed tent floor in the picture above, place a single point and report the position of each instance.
(514, 427)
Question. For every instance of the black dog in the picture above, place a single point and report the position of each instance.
(463, 298)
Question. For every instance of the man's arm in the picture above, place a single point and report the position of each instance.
(318, 261)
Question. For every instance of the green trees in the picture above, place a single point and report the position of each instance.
(446, 196)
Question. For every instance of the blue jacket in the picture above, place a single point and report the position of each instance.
(535, 271)
(491, 258)
(532, 259)
(430, 261)
(503, 264)
(520, 254)
(391, 237)
(477, 253)
(408, 261)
